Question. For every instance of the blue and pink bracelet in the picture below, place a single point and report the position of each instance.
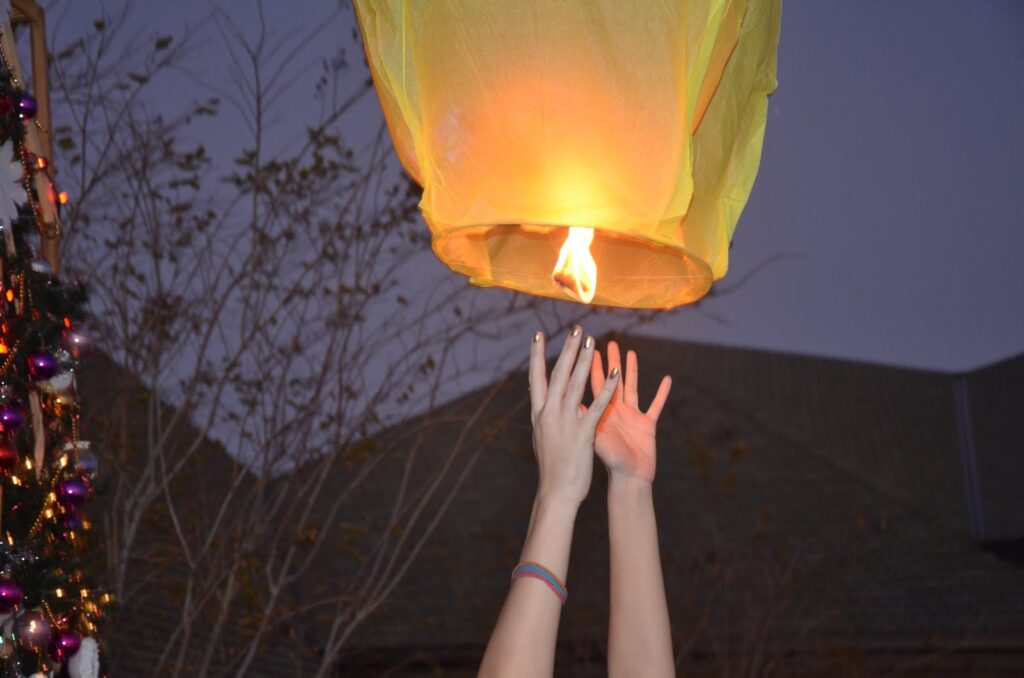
(537, 571)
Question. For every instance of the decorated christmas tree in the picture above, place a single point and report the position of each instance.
(49, 607)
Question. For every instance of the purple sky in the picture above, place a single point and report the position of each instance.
(890, 185)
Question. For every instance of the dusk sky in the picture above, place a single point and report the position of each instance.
(314, 448)
(888, 204)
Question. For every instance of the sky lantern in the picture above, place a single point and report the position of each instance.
(596, 150)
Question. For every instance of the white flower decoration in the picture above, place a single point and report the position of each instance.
(86, 662)
(12, 191)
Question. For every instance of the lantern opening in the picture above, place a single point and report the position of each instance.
(576, 270)
(635, 272)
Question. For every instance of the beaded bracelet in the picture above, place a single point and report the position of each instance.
(537, 571)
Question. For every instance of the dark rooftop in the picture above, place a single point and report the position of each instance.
(815, 514)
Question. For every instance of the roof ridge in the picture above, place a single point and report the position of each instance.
(819, 357)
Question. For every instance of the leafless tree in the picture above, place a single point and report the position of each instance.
(267, 329)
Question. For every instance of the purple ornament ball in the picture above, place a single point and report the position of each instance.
(64, 645)
(10, 418)
(27, 105)
(42, 365)
(71, 492)
(33, 630)
(71, 522)
(76, 342)
(10, 595)
(8, 456)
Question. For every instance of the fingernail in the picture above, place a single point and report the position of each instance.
(576, 331)
(589, 343)
(614, 373)
(536, 337)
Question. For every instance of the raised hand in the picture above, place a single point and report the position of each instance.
(563, 431)
(523, 642)
(639, 633)
(625, 435)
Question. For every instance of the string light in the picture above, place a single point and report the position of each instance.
(42, 196)
(10, 358)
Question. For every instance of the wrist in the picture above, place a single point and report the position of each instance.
(550, 533)
(630, 499)
(555, 503)
(624, 484)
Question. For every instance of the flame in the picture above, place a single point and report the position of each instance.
(576, 269)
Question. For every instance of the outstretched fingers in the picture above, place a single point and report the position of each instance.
(538, 375)
(560, 374)
(615, 363)
(603, 398)
(596, 374)
(578, 382)
(631, 378)
(654, 411)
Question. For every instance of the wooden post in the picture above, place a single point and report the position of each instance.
(40, 139)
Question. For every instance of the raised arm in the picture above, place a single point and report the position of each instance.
(639, 635)
(523, 641)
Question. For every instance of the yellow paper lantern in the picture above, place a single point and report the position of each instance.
(547, 132)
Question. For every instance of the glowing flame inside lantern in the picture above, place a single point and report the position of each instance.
(576, 269)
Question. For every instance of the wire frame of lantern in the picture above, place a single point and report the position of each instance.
(595, 150)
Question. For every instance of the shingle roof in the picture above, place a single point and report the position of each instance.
(820, 499)
(809, 508)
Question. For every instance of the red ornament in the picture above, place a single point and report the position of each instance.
(8, 456)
